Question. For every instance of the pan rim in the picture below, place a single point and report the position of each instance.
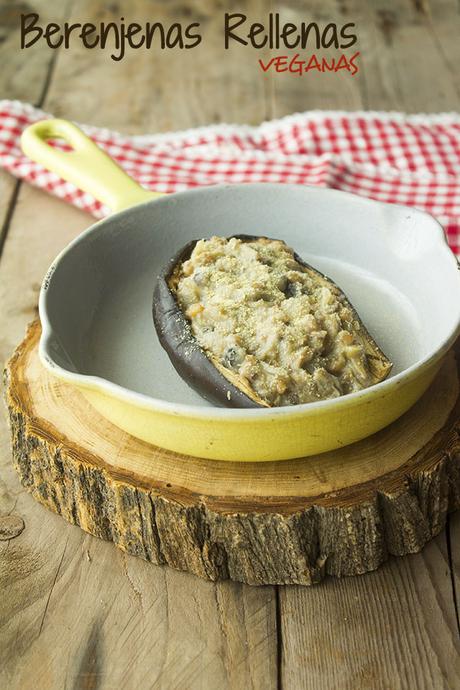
(142, 400)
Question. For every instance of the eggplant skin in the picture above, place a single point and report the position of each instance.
(192, 363)
(187, 357)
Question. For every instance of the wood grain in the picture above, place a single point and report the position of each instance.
(392, 629)
(161, 90)
(93, 617)
(68, 651)
(453, 546)
(403, 59)
(26, 78)
(329, 91)
(408, 57)
(348, 475)
(258, 523)
(132, 650)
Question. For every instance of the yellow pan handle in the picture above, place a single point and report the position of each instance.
(86, 166)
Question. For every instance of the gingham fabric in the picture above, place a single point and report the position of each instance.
(405, 159)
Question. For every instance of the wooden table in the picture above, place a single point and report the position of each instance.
(75, 612)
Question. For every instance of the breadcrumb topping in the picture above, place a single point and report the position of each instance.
(286, 330)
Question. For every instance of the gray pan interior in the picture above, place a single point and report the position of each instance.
(99, 291)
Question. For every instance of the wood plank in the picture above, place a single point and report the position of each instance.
(327, 91)
(392, 629)
(443, 18)
(454, 548)
(25, 79)
(409, 53)
(395, 629)
(354, 642)
(404, 64)
(167, 90)
(46, 225)
(93, 617)
(408, 60)
(118, 618)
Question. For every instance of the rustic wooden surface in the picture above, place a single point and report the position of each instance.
(340, 513)
(74, 611)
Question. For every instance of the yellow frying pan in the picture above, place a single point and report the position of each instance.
(95, 304)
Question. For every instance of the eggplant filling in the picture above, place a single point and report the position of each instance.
(276, 324)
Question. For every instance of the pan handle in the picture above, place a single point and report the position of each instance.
(86, 166)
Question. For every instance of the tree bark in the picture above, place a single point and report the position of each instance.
(386, 495)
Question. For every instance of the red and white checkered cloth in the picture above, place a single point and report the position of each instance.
(406, 159)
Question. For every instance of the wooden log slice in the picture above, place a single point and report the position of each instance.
(339, 513)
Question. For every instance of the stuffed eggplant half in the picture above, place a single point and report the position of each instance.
(247, 323)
